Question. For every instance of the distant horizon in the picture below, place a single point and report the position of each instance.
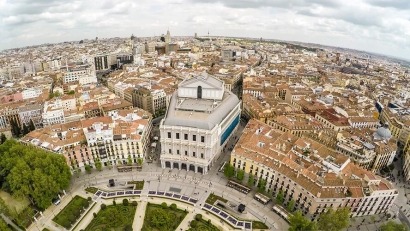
(219, 36)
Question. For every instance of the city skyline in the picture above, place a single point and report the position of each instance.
(351, 25)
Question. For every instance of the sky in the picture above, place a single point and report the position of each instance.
(380, 26)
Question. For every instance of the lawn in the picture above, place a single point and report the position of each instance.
(259, 225)
(91, 189)
(139, 185)
(113, 218)
(162, 218)
(201, 224)
(212, 199)
(12, 203)
(71, 212)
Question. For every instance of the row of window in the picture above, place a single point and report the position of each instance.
(185, 137)
(186, 153)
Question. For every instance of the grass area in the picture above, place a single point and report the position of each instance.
(212, 198)
(25, 217)
(45, 229)
(201, 224)
(113, 218)
(139, 185)
(71, 212)
(91, 189)
(259, 225)
(12, 203)
(162, 218)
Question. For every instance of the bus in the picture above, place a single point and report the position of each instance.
(281, 212)
(239, 187)
(262, 198)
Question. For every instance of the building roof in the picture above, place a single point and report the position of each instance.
(198, 113)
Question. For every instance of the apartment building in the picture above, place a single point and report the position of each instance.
(314, 176)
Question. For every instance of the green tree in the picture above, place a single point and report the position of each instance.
(297, 222)
(393, 226)
(98, 165)
(251, 180)
(88, 169)
(229, 171)
(280, 198)
(26, 130)
(125, 202)
(129, 160)
(334, 220)
(32, 173)
(31, 125)
(140, 161)
(3, 138)
(291, 205)
(162, 219)
(261, 185)
(240, 174)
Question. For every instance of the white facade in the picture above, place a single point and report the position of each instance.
(53, 114)
(31, 93)
(200, 119)
(87, 79)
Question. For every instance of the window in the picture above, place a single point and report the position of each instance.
(199, 92)
(194, 137)
(185, 136)
(177, 152)
(186, 153)
(202, 155)
(169, 151)
(203, 139)
(177, 135)
(194, 154)
(169, 134)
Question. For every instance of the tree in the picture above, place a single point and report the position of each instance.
(240, 174)
(125, 202)
(98, 165)
(298, 222)
(129, 160)
(161, 219)
(103, 206)
(393, 226)
(3, 138)
(198, 217)
(88, 169)
(31, 125)
(164, 205)
(15, 128)
(173, 206)
(128, 227)
(334, 220)
(251, 180)
(261, 185)
(291, 205)
(280, 198)
(229, 171)
(32, 173)
(140, 161)
(26, 130)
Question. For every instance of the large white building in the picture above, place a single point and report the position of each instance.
(200, 118)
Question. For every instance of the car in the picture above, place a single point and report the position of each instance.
(111, 182)
(56, 201)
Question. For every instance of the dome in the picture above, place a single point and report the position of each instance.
(383, 133)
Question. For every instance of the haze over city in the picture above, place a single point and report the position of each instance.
(379, 26)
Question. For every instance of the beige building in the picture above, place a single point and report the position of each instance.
(309, 173)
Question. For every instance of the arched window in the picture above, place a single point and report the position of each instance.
(199, 92)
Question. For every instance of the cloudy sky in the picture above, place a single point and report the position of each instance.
(381, 26)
